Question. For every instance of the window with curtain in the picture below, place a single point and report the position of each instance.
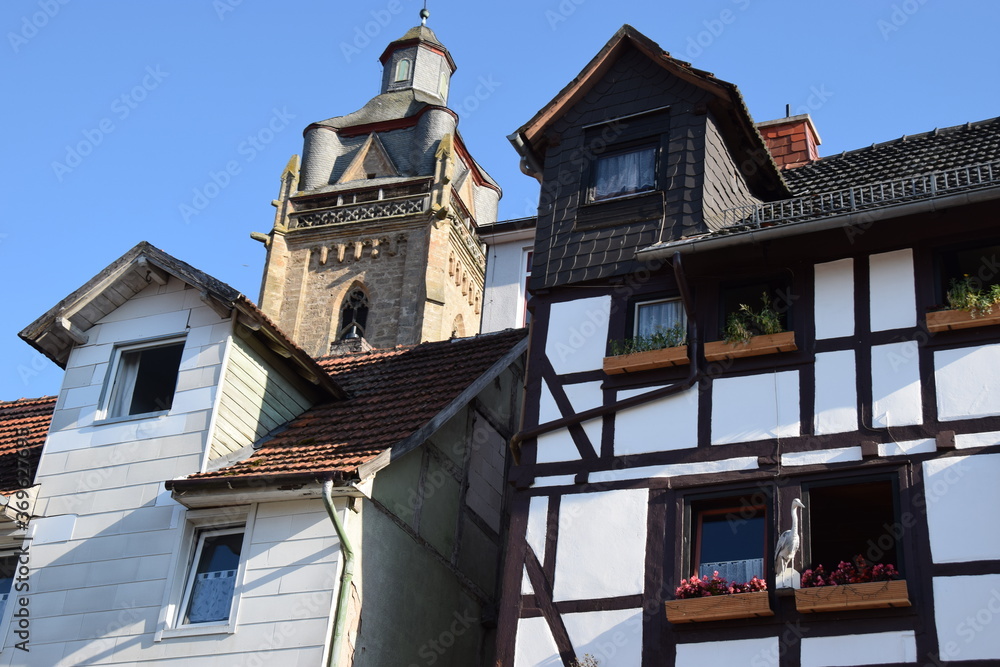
(144, 379)
(624, 174)
(661, 315)
(212, 582)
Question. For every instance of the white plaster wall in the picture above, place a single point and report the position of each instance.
(535, 646)
(880, 648)
(755, 407)
(834, 304)
(893, 303)
(538, 512)
(556, 446)
(675, 470)
(503, 294)
(660, 425)
(967, 616)
(602, 545)
(896, 385)
(836, 393)
(559, 445)
(614, 638)
(968, 382)
(821, 456)
(963, 507)
(969, 440)
(735, 653)
(578, 334)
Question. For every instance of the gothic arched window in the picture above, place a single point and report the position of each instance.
(354, 315)
(403, 70)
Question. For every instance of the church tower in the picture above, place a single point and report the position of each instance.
(375, 234)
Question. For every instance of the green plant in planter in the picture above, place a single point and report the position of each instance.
(746, 322)
(658, 340)
(969, 294)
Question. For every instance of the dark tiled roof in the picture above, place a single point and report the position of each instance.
(393, 393)
(940, 149)
(24, 424)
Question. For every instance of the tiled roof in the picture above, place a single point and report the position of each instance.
(24, 424)
(938, 150)
(392, 394)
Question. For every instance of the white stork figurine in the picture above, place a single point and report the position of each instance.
(788, 546)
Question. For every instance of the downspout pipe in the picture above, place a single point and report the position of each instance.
(346, 576)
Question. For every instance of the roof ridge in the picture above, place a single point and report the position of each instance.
(28, 401)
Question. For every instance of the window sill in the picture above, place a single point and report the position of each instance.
(875, 595)
(719, 608)
(755, 347)
(949, 320)
(197, 630)
(644, 361)
(129, 418)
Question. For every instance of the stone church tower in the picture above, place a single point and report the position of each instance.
(376, 231)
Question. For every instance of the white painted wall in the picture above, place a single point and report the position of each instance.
(957, 489)
(614, 638)
(602, 545)
(893, 293)
(821, 456)
(755, 407)
(878, 648)
(896, 385)
(967, 382)
(657, 426)
(735, 653)
(538, 514)
(836, 393)
(578, 334)
(535, 646)
(503, 292)
(834, 304)
(558, 445)
(967, 616)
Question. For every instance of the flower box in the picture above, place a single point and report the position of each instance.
(644, 361)
(947, 320)
(874, 595)
(756, 346)
(719, 607)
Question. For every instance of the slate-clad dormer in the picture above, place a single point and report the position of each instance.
(419, 61)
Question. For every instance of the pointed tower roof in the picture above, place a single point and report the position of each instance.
(421, 35)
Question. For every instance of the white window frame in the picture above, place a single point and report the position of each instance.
(522, 287)
(653, 302)
(399, 68)
(109, 394)
(199, 524)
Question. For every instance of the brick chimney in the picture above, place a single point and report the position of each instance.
(792, 141)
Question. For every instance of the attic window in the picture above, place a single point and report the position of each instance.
(145, 378)
(403, 70)
(624, 173)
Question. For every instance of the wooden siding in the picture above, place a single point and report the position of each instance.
(256, 399)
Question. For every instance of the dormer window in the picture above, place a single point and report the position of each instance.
(144, 379)
(624, 173)
(403, 70)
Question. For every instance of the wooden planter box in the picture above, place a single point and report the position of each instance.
(947, 320)
(874, 595)
(719, 608)
(756, 346)
(644, 361)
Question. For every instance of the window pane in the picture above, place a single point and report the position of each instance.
(156, 379)
(730, 541)
(623, 174)
(214, 579)
(658, 315)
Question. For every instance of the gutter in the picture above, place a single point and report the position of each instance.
(346, 576)
(695, 375)
(786, 230)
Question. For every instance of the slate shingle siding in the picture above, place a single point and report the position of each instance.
(565, 252)
(724, 185)
(947, 148)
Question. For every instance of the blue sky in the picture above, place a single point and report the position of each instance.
(121, 117)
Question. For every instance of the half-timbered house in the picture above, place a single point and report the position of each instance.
(808, 354)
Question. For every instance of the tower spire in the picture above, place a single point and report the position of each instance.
(424, 14)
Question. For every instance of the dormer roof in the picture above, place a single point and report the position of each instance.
(726, 104)
(66, 324)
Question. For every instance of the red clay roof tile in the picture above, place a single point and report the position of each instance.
(24, 423)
